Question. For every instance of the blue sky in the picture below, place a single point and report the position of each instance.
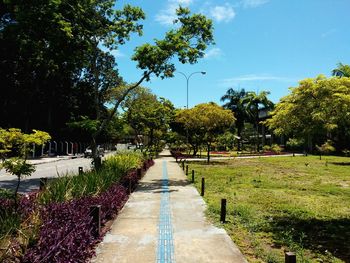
(260, 45)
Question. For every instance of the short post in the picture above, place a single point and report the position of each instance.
(80, 169)
(33, 150)
(290, 257)
(130, 186)
(223, 211)
(186, 169)
(55, 147)
(203, 186)
(192, 176)
(183, 165)
(95, 213)
(139, 173)
(43, 182)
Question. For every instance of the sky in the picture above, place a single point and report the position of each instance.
(260, 45)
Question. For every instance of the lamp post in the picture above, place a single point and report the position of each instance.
(187, 81)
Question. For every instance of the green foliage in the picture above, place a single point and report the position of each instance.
(18, 167)
(187, 41)
(10, 223)
(236, 105)
(148, 116)
(203, 123)
(266, 148)
(317, 108)
(294, 143)
(91, 183)
(342, 70)
(276, 148)
(226, 140)
(325, 148)
(15, 142)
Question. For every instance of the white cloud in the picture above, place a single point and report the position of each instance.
(224, 13)
(167, 15)
(117, 53)
(253, 3)
(213, 53)
(329, 33)
(254, 77)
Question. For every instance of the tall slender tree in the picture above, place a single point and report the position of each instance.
(253, 103)
(235, 103)
(342, 70)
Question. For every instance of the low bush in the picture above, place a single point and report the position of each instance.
(93, 182)
(63, 230)
(67, 232)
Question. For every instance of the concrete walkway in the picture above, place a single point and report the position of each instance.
(163, 221)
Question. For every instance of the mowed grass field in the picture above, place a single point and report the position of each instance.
(277, 204)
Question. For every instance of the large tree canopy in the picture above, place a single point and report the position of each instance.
(318, 107)
(204, 123)
(149, 116)
(56, 70)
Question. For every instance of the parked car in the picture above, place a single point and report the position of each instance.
(88, 151)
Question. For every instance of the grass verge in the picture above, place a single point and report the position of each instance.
(300, 204)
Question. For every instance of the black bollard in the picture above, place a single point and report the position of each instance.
(203, 186)
(183, 165)
(80, 169)
(139, 173)
(186, 170)
(223, 211)
(43, 182)
(130, 186)
(290, 257)
(192, 176)
(95, 213)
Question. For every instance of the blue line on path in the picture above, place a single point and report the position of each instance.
(165, 253)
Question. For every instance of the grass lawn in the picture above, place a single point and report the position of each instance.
(300, 204)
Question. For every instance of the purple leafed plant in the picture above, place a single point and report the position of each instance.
(66, 234)
(67, 231)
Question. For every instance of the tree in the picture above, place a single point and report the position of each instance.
(148, 115)
(294, 144)
(318, 108)
(253, 103)
(187, 41)
(342, 70)
(45, 70)
(204, 123)
(15, 143)
(236, 105)
(325, 148)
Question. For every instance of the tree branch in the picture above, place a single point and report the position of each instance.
(119, 101)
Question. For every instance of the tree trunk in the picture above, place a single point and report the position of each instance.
(257, 136)
(208, 153)
(239, 141)
(95, 155)
(16, 191)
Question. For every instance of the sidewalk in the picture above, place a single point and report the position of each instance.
(163, 221)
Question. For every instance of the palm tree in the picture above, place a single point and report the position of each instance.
(342, 70)
(234, 103)
(253, 103)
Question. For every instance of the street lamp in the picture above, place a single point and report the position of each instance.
(187, 80)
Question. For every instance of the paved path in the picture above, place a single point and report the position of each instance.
(163, 221)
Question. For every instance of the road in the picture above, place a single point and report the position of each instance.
(49, 169)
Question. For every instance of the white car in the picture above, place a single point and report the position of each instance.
(88, 151)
